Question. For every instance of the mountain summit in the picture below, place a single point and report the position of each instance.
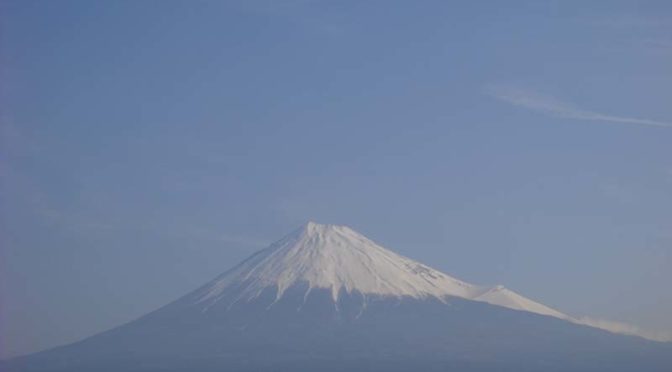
(339, 259)
(327, 298)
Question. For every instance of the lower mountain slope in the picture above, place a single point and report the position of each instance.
(306, 333)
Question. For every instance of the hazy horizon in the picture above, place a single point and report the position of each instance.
(147, 147)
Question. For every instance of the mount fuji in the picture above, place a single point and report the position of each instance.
(327, 298)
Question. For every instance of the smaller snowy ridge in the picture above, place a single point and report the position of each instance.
(338, 259)
(504, 297)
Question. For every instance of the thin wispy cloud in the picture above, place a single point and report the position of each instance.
(552, 106)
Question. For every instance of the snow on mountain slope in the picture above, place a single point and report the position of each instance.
(505, 297)
(338, 259)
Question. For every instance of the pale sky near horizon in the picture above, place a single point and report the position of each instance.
(147, 146)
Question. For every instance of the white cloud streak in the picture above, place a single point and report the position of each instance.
(553, 107)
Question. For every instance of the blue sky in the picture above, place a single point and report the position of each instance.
(148, 146)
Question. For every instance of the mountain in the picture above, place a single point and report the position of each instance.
(327, 298)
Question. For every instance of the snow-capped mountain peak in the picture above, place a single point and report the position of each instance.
(339, 259)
